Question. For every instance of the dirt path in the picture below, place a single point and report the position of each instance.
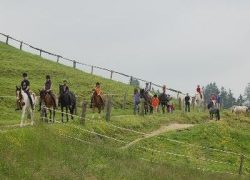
(159, 131)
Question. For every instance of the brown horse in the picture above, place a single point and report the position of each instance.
(98, 103)
(47, 103)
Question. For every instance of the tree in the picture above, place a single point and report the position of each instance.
(210, 89)
(247, 92)
(240, 100)
(231, 99)
(223, 95)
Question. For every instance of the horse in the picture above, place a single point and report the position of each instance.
(199, 100)
(213, 111)
(47, 104)
(98, 102)
(164, 101)
(147, 101)
(240, 110)
(67, 100)
(25, 104)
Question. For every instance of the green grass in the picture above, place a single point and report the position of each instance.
(68, 151)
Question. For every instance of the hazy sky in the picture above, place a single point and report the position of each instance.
(180, 43)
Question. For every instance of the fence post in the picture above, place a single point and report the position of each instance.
(111, 74)
(180, 105)
(109, 107)
(74, 64)
(92, 69)
(142, 108)
(84, 108)
(125, 100)
(40, 52)
(241, 164)
(21, 45)
(183, 105)
(7, 39)
(58, 57)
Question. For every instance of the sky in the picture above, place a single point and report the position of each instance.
(180, 43)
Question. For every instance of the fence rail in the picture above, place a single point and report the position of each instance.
(58, 57)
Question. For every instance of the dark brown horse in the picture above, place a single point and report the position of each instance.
(148, 108)
(164, 102)
(67, 100)
(98, 102)
(48, 104)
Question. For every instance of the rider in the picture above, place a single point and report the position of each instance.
(98, 91)
(47, 89)
(187, 103)
(213, 98)
(164, 89)
(25, 85)
(198, 90)
(147, 88)
(218, 100)
(136, 100)
(155, 103)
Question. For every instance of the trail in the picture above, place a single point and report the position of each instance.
(161, 130)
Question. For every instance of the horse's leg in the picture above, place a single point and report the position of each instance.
(32, 116)
(54, 113)
(22, 117)
(50, 114)
(99, 112)
(93, 116)
(46, 115)
(218, 115)
(72, 112)
(67, 117)
(62, 112)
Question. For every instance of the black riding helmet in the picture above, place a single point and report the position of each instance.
(25, 74)
(97, 84)
(47, 76)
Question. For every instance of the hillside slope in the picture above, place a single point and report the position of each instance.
(14, 62)
(94, 151)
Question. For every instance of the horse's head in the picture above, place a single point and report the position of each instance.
(19, 97)
(42, 93)
(142, 92)
(60, 89)
(18, 92)
(210, 105)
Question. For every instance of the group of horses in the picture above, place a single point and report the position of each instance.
(213, 106)
(164, 100)
(66, 100)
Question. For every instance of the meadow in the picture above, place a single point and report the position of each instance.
(207, 150)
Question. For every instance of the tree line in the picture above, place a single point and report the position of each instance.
(227, 96)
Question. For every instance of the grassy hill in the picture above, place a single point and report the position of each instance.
(93, 151)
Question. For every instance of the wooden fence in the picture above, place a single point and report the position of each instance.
(59, 59)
